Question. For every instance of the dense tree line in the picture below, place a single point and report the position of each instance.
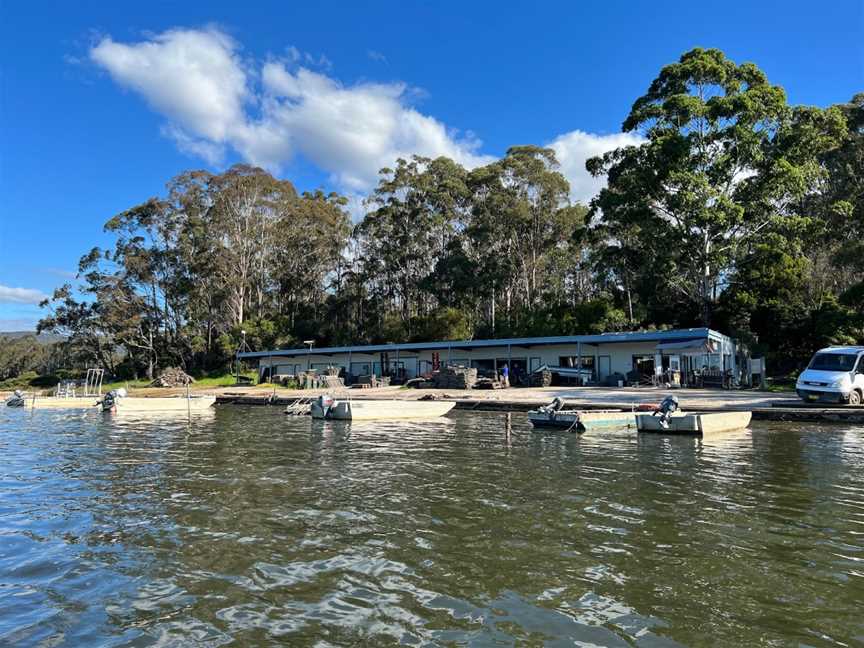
(737, 211)
(29, 356)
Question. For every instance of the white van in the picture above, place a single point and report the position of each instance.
(834, 375)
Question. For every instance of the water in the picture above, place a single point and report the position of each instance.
(257, 529)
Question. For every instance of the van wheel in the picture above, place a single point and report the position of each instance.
(855, 397)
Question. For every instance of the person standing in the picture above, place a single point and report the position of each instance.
(505, 375)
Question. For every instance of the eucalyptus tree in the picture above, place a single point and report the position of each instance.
(718, 172)
(246, 204)
(142, 283)
(185, 272)
(22, 354)
(844, 205)
(199, 252)
(417, 209)
(86, 336)
(309, 237)
(520, 213)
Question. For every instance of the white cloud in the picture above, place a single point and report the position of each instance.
(198, 82)
(574, 148)
(213, 101)
(212, 152)
(10, 295)
(356, 206)
(195, 78)
(352, 132)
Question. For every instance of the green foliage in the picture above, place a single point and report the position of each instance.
(446, 323)
(187, 272)
(417, 208)
(19, 381)
(30, 380)
(725, 167)
(24, 357)
(596, 315)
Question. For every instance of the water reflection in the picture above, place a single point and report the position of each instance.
(251, 527)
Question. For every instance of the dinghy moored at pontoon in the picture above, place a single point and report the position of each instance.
(326, 407)
(699, 424)
(118, 401)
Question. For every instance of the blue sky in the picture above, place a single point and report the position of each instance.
(101, 103)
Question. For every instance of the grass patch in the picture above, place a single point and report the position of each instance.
(210, 380)
(125, 384)
(778, 389)
(21, 381)
(225, 380)
(31, 380)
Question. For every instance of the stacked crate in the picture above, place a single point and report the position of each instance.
(541, 378)
(455, 377)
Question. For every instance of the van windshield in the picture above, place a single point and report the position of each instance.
(833, 362)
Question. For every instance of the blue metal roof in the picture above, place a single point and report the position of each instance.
(676, 335)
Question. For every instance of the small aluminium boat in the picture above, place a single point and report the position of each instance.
(16, 400)
(579, 420)
(117, 401)
(554, 416)
(34, 401)
(326, 407)
(695, 424)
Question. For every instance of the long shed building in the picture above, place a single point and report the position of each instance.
(600, 356)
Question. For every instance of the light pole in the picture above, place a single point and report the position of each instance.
(237, 358)
(310, 344)
(385, 357)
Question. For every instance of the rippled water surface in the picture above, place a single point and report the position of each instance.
(252, 528)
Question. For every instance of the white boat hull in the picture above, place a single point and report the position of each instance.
(369, 410)
(52, 402)
(163, 404)
(696, 424)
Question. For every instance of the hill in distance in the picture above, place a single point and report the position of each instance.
(44, 338)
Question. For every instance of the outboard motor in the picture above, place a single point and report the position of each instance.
(552, 408)
(555, 406)
(109, 401)
(667, 407)
(325, 404)
(16, 399)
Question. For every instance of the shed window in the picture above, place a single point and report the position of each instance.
(573, 361)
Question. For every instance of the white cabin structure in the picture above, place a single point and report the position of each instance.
(601, 355)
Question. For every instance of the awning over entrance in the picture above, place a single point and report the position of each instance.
(690, 346)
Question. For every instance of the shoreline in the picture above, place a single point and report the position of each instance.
(766, 406)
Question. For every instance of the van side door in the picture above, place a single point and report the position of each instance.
(858, 376)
